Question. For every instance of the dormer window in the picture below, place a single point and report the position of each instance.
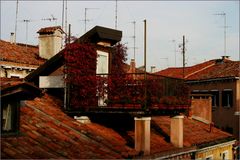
(12, 92)
(10, 117)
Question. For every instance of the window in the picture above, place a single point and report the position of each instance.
(225, 155)
(215, 98)
(9, 118)
(209, 157)
(227, 98)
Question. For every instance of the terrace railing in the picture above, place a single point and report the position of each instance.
(129, 92)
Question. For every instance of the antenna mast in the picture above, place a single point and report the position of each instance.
(116, 15)
(85, 18)
(15, 36)
(134, 39)
(66, 17)
(225, 32)
(62, 14)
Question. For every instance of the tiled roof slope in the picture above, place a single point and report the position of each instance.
(195, 132)
(19, 53)
(46, 132)
(216, 68)
(219, 70)
(50, 29)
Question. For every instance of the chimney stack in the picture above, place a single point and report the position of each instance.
(176, 131)
(12, 38)
(225, 57)
(50, 41)
(142, 135)
(132, 66)
(153, 69)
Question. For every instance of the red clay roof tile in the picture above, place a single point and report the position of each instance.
(50, 29)
(207, 70)
(47, 132)
(20, 53)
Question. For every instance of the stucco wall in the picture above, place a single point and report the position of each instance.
(216, 153)
(50, 45)
(202, 108)
(223, 117)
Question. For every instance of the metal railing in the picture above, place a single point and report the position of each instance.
(129, 91)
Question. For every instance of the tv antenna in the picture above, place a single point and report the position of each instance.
(85, 18)
(116, 15)
(183, 49)
(15, 36)
(225, 28)
(27, 21)
(134, 39)
(175, 51)
(52, 18)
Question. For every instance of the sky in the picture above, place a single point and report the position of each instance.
(167, 22)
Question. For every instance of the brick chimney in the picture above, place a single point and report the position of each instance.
(132, 66)
(176, 131)
(12, 38)
(142, 135)
(50, 41)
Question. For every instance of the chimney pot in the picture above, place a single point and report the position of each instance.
(176, 131)
(142, 134)
(50, 41)
(12, 38)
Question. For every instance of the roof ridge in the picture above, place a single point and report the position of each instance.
(190, 74)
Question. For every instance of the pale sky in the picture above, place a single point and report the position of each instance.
(166, 21)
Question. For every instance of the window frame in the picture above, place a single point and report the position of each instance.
(15, 118)
(215, 98)
(227, 103)
(209, 156)
(227, 153)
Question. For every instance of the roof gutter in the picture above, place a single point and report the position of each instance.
(214, 79)
(217, 145)
(176, 154)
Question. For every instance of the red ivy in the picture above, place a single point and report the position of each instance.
(80, 66)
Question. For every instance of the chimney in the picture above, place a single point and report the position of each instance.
(142, 135)
(12, 38)
(132, 66)
(50, 41)
(176, 131)
(225, 57)
(153, 69)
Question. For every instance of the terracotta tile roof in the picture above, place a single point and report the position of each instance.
(195, 132)
(47, 132)
(216, 68)
(219, 70)
(50, 29)
(19, 53)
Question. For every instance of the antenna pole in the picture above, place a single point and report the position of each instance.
(116, 15)
(145, 62)
(15, 36)
(85, 20)
(134, 39)
(62, 14)
(183, 52)
(225, 43)
(66, 16)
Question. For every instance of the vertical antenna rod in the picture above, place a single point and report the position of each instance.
(116, 15)
(134, 39)
(175, 51)
(225, 32)
(183, 52)
(15, 36)
(66, 16)
(62, 14)
(85, 18)
(145, 62)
